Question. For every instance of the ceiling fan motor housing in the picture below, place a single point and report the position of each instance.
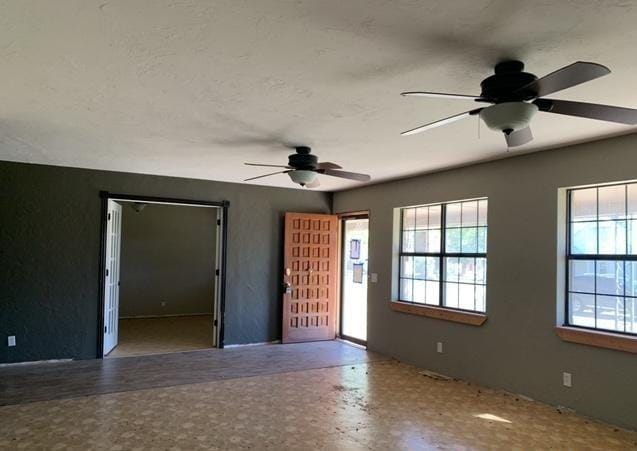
(508, 78)
(303, 159)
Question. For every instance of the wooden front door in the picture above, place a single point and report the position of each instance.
(310, 274)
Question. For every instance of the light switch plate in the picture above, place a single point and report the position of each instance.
(374, 277)
(439, 347)
(11, 340)
(567, 379)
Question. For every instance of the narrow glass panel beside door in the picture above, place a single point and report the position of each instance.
(354, 279)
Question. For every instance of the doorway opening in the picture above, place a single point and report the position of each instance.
(162, 276)
(354, 278)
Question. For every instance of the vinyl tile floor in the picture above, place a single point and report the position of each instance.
(143, 336)
(374, 405)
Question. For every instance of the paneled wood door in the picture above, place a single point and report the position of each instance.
(311, 247)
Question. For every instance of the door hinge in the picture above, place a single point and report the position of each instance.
(109, 216)
(107, 273)
(216, 272)
(215, 323)
(218, 221)
(105, 329)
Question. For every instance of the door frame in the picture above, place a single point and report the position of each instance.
(220, 273)
(342, 217)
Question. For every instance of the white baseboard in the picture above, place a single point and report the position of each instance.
(35, 362)
(165, 316)
(264, 343)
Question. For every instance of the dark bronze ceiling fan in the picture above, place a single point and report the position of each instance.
(303, 168)
(516, 96)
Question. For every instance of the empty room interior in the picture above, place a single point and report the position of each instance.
(360, 225)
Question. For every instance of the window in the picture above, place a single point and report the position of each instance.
(443, 255)
(601, 273)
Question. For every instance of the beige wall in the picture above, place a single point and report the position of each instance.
(516, 349)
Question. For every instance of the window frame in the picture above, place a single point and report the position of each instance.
(570, 257)
(442, 255)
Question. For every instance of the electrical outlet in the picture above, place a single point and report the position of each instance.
(374, 277)
(567, 379)
(439, 347)
(11, 340)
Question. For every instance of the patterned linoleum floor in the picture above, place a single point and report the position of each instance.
(375, 406)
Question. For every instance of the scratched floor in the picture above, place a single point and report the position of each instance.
(376, 404)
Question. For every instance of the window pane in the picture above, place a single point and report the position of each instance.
(631, 315)
(584, 238)
(419, 291)
(452, 240)
(582, 276)
(408, 241)
(610, 277)
(406, 290)
(433, 240)
(469, 240)
(582, 309)
(612, 202)
(467, 273)
(420, 264)
(632, 200)
(434, 216)
(433, 268)
(584, 204)
(481, 270)
(432, 295)
(482, 240)
(453, 215)
(451, 295)
(612, 237)
(409, 218)
(451, 269)
(631, 278)
(466, 297)
(470, 213)
(610, 313)
(421, 241)
(481, 298)
(421, 217)
(482, 212)
(406, 267)
(632, 237)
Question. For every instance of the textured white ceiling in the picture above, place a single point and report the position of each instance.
(194, 88)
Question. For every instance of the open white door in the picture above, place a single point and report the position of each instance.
(111, 276)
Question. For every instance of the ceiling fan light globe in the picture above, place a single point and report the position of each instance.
(302, 177)
(509, 116)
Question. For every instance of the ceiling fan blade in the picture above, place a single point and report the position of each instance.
(267, 165)
(566, 77)
(443, 95)
(347, 175)
(266, 175)
(314, 184)
(328, 165)
(519, 137)
(608, 113)
(445, 121)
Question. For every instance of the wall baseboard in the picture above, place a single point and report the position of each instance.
(165, 316)
(34, 362)
(264, 343)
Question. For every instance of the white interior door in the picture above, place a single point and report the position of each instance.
(111, 276)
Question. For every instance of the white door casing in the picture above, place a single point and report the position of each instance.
(111, 275)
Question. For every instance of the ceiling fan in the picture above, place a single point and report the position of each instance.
(516, 96)
(303, 168)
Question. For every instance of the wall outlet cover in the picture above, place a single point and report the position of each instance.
(11, 340)
(567, 379)
(439, 347)
(374, 277)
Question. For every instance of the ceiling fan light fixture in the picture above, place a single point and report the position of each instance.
(302, 177)
(509, 116)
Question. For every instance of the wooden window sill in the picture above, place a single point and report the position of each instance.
(598, 338)
(473, 319)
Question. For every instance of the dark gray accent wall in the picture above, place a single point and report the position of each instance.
(50, 248)
(168, 260)
(517, 348)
